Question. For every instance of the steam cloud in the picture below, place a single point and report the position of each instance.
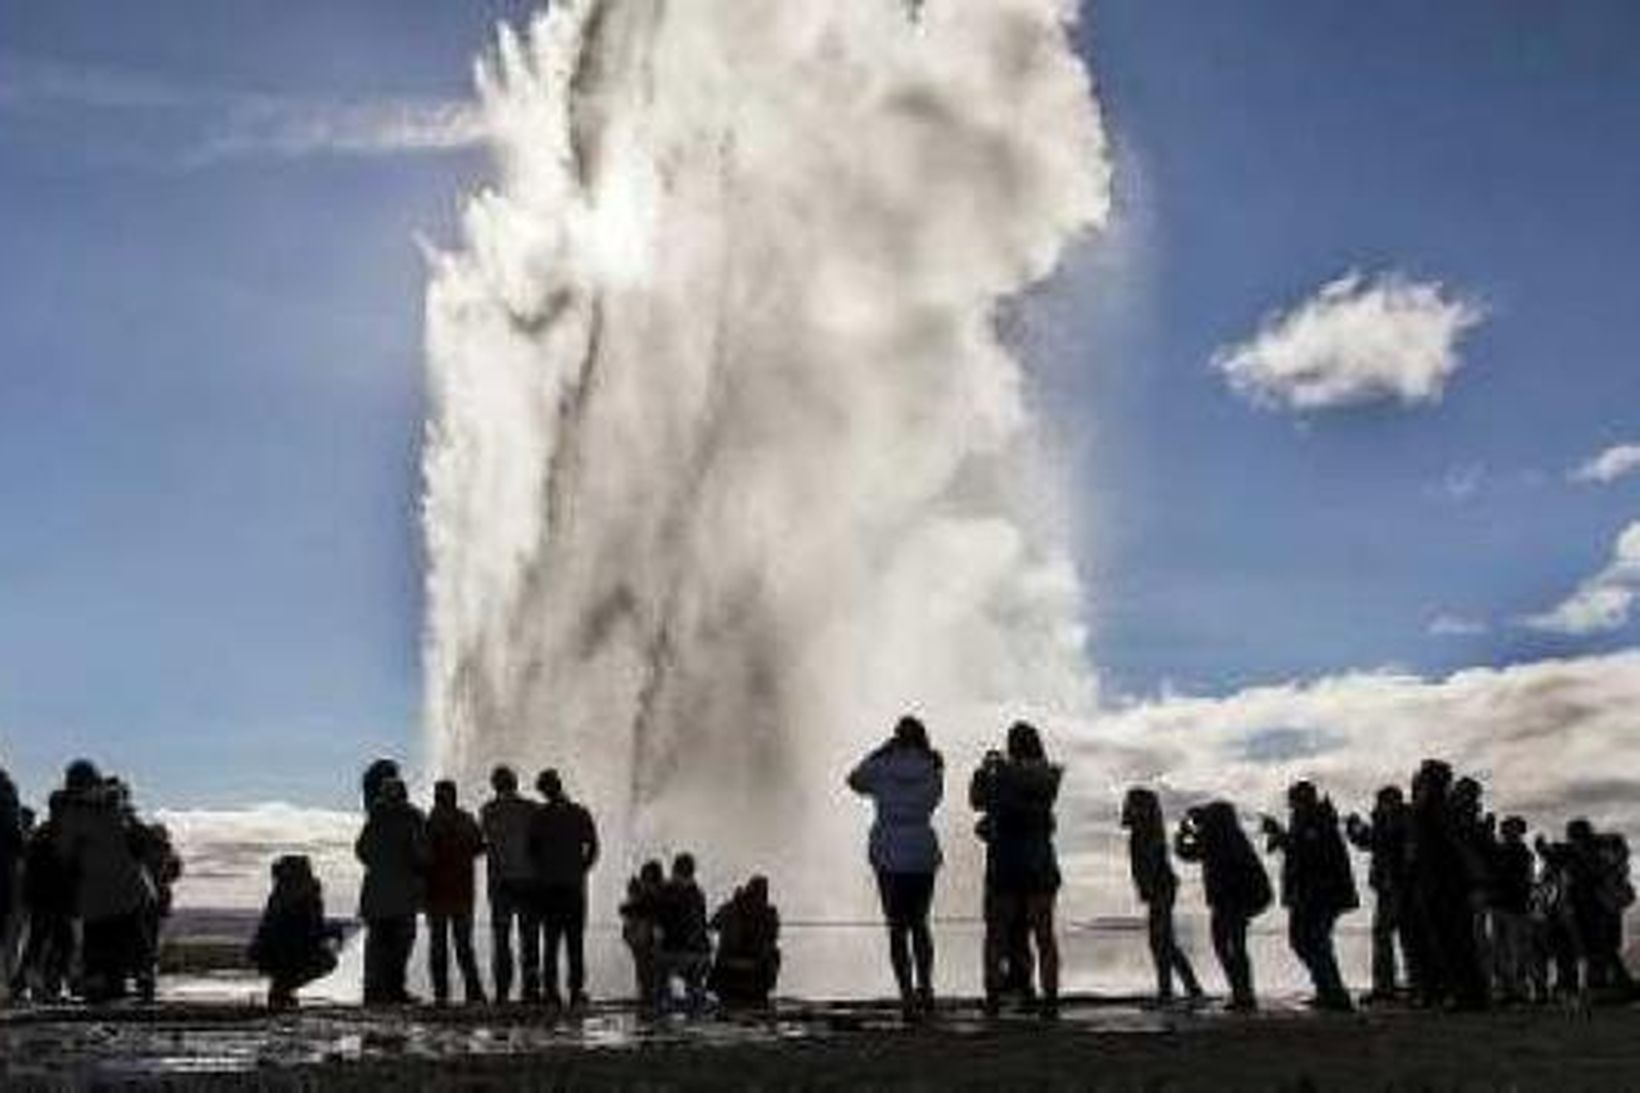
(727, 465)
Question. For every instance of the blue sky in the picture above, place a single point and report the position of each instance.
(210, 358)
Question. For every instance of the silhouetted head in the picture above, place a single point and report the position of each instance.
(1217, 822)
(683, 866)
(1024, 742)
(503, 780)
(1513, 828)
(393, 792)
(1142, 810)
(444, 793)
(1431, 783)
(1302, 796)
(652, 872)
(757, 889)
(374, 777)
(909, 732)
(1467, 792)
(1390, 797)
(289, 868)
(1579, 830)
(549, 785)
(81, 776)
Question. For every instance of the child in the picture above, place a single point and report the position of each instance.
(293, 942)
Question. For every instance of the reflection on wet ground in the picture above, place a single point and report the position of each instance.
(178, 1039)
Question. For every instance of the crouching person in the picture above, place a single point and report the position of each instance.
(685, 952)
(748, 951)
(293, 944)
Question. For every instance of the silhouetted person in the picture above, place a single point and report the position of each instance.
(1554, 921)
(1016, 792)
(1442, 881)
(563, 848)
(48, 893)
(1613, 896)
(454, 842)
(11, 858)
(1237, 888)
(1512, 931)
(905, 780)
(1158, 888)
(640, 926)
(1317, 886)
(163, 867)
(1597, 892)
(747, 964)
(393, 850)
(1475, 832)
(510, 877)
(293, 945)
(1384, 838)
(376, 775)
(685, 952)
(111, 891)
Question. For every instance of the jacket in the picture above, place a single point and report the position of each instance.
(563, 844)
(393, 849)
(506, 824)
(906, 786)
(454, 842)
(96, 846)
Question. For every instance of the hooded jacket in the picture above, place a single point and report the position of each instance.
(393, 849)
(906, 784)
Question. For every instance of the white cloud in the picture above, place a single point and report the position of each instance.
(228, 125)
(1455, 626)
(1604, 601)
(1551, 740)
(226, 852)
(1357, 340)
(1610, 465)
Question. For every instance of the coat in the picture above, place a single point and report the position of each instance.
(563, 844)
(1232, 875)
(393, 850)
(1315, 868)
(454, 842)
(95, 843)
(506, 823)
(906, 786)
(1017, 798)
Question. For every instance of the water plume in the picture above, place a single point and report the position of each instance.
(727, 465)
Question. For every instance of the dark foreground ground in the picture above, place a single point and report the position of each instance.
(1098, 1044)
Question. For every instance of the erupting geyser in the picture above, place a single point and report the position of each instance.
(727, 466)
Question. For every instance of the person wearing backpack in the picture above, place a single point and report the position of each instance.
(1237, 887)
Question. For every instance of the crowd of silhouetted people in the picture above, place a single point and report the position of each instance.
(1466, 912)
(83, 892)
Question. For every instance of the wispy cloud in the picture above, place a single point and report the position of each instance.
(289, 129)
(1603, 602)
(213, 125)
(1460, 483)
(1447, 625)
(1610, 465)
(1356, 341)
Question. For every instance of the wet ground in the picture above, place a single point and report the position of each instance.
(1098, 1043)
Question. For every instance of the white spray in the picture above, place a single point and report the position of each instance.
(727, 465)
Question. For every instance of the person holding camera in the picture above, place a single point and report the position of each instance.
(905, 779)
(1016, 792)
(1238, 888)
